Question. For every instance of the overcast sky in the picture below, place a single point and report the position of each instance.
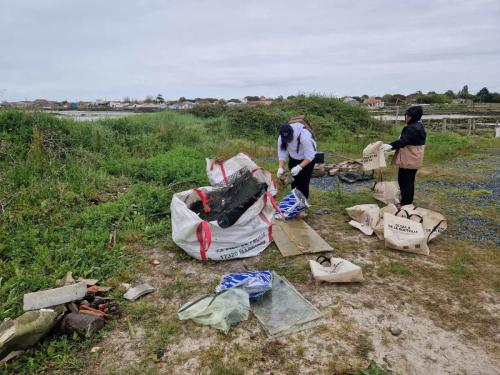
(91, 49)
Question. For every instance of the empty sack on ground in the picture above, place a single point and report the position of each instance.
(405, 234)
(335, 270)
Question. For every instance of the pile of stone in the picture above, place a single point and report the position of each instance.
(321, 170)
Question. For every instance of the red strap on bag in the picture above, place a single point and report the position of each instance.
(270, 226)
(220, 163)
(269, 196)
(204, 199)
(204, 238)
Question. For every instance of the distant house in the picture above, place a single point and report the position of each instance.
(186, 105)
(174, 106)
(350, 101)
(373, 103)
(84, 105)
(118, 105)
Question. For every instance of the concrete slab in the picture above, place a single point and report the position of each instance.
(53, 297)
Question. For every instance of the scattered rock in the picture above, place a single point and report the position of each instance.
(84, 325)
(395, 331)
(96, 349)
(154, 262)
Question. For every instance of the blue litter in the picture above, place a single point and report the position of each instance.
(255, 283)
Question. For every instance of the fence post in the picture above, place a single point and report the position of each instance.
(443, 127)
(469, 128)
(497, 130)
(473, 126)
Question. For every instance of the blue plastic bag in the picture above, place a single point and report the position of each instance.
(255, 283)
(292, 205)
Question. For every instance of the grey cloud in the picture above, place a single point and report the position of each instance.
(94, 49)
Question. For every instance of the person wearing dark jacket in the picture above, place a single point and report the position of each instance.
(409, 154)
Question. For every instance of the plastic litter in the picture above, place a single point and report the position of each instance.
(292, 205)
(219, 310)
(255, 283)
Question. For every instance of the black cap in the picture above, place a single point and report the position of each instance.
(286, 133)
(415, 113)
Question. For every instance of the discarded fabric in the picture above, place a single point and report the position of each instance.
(335, 270)
(220, 310)
(292, 205)
(255, 283)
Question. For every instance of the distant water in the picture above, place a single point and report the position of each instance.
(424, 117)
(91, 115)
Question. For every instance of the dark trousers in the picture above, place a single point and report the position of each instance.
(302, 180)
(406, 180)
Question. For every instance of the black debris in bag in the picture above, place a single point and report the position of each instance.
(227, 204)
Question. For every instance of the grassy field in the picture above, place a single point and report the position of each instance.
(65, 186)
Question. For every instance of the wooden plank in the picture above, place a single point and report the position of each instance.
(295, 237)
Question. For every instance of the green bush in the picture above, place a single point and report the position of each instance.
(208, 110)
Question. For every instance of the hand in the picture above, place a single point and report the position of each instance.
(280, 172)
(295, 170)
(387, 147)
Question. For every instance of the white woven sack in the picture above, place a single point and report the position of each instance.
(387, 192)
(340, 271)
(433, 222)
(373, 156)
(249, 236)
(220, 172)
(364, 217)
(404, 234)
(379, 228)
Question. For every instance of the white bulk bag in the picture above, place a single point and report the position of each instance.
(221, 172)
(339, 271)
(364, 217)
(373, 156)
(405, 234)
(250, 235)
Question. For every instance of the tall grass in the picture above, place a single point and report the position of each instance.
(65, 185)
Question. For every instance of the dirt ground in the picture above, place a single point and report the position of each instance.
(446, 305)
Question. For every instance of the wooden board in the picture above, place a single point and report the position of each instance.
(295, 237)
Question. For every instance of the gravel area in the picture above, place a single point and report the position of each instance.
(329, 183)
(479, 229)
